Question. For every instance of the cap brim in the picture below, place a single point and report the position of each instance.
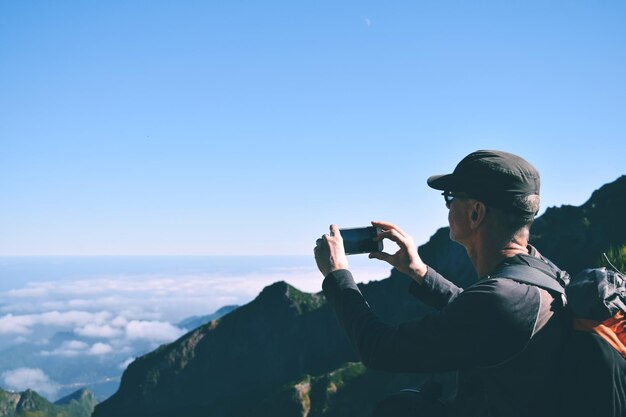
(446, 182)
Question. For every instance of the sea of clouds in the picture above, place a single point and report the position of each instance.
(57, 335)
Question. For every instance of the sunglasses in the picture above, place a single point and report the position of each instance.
(448, 197)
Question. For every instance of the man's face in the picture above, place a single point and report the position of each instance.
(457, 216)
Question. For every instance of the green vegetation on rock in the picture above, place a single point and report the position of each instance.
(30, 404)
(303, 301)
(616, 257)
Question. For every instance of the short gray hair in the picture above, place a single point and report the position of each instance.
(522, 212)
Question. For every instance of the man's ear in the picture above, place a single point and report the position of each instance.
(477, 214)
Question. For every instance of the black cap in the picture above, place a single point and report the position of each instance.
(494, 177)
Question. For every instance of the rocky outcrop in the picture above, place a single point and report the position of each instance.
(575, 237)
(29, 403)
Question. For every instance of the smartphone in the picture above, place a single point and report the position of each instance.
(360, 240)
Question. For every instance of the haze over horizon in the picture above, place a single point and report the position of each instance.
(230, 128)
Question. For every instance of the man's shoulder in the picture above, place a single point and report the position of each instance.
(501, 294)
(498, 286)
(499, 306)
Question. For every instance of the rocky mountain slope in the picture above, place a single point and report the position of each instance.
(30, 404)
(197, 321)
(575, 237)
(283, 354)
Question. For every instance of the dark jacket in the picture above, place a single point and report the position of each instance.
(489, 331)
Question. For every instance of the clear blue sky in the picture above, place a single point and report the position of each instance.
(240, 127)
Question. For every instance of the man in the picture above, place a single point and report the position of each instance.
(503, 333)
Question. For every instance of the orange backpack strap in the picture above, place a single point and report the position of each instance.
(613, 330)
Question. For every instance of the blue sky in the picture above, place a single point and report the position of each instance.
(234, 127)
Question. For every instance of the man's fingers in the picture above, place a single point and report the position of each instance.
(383, 256)
(387, 226)
(393, 235)
(335, 234)
(384, 225)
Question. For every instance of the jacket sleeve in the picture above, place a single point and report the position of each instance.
(435, 290)
(474, 330)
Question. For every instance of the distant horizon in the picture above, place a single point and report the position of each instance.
(252, 255)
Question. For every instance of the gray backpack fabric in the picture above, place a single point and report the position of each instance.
(597, 294)
(593, 375)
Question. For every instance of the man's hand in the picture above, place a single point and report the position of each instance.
(329, 252)
(406, 259)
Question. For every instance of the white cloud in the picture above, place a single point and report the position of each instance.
(22, 324)
(71, 318)
(151, 298)
(78, 348)
(21, 379)
(76, 345)
(156, 331)
(119, 321)
(10, 324)
(100, 349)
(69, 349)
(28, 292)
(104, 331)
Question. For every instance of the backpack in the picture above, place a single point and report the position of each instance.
(593, 366)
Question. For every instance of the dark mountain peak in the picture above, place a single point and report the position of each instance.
(281, 294)
(274, 292)
(81, 395)
(575, 237)
(31, 401)
(29, 394)
(611, 193)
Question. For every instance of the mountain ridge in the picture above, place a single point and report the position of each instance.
(197, 321)
(233, 365)
(28, 403)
